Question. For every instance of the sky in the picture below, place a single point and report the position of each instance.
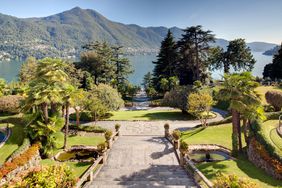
(254, 20)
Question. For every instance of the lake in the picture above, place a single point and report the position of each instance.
(140, 63)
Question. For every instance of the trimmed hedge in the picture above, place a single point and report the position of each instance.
(10, 104)
(84, 116)
(88, 128)
(273, 115)
(258, 134)
(275, 99)
(19, 160)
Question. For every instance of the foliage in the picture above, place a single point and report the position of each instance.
(273, 115)
(166, 126)
(151, 92)
(194, 51)
(108, 134)
(10, 104)
(28, 70)
(148, 80)
(274, 98)
(176, 134)
(3, 86)
(102, 146)
(55, 176)
(238, 56)
(177, 97)
(117, 126)
(199, 104)
(83, 116)
(165, 63)
(268, 108)
(19, 160)
(232, 181)
(183, 147)
(96, 108)
(274, 69)
(89, 128)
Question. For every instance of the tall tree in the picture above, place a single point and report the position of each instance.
(147, 80)
(274, 69)
(97, 60)
(28, 70)
(239, 90)
(238, 56)
(122, 66)
(166, 62)
(194, 50)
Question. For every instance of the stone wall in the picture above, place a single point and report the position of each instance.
(260, 162)
(30, 164)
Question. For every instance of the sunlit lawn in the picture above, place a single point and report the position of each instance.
(241, 167)
(270, 133)
(147, 115)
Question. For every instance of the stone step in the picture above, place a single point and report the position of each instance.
(170, 181)
(175, 183)
(141, 186)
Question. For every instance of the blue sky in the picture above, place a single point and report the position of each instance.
(255, 20)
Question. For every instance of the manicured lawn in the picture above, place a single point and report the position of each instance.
(269, 131)
(211, 135)
(78, 167)
(261, 90)
(242, 168)
(147, 115)
(14, 141)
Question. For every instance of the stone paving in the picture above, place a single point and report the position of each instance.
(142, 161)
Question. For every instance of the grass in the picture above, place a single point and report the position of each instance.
(242, 168)
(146, 115)
(261, 90)
(270, 133)
(211, 135)
(14, 141)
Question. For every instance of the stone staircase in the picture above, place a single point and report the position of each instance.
(142, 161)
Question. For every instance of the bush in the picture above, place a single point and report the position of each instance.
(166, 126)
(183, 147)
(274, 98)
(108, 134)
(89, 128)
(232, 181)
(84, 116)
(176, 134)
(117, 126)
(10, 104)
(19, 160)
(102, 146)
(55, 176)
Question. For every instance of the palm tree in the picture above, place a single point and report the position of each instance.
(239, 90)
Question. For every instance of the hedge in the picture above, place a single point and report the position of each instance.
(84, 116)
(88, 128)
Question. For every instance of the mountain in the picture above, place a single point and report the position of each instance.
(272, 51)
(63, 34)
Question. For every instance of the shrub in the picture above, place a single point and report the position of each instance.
(19, 160)
(108, 134)
(10, 104)
(232, 181)
(166, 126)
(89, 128)
(102, 146)
(117, 126)
(183, 147)
(268, 108)
(176, 134)
(274, 98)
(55, 176)
(84, 116)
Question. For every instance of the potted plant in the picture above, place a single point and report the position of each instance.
(183, 151)
(176, 136)
(166, 127)
(117, 127)
(108, 137)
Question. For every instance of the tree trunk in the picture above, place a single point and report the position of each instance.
(45, 112)
(235, 144)
(245, 130)
(77, 117)
(239, 135)
(53, 108)
(66, 124)
(63, 111)
(226, 68)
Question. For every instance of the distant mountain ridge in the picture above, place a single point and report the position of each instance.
(63, 34)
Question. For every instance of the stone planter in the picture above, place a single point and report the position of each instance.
(166, 132)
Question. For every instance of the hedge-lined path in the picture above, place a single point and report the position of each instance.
(142, 161)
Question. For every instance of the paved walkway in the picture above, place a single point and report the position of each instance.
(142, 162)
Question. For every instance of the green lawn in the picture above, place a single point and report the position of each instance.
(211, 135)
(242, 167)
(147, 115)
(14, 141)
(269, 131)
(261, 90)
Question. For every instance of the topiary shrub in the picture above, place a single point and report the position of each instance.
(183, 147)
(176, 134)
(274, 98)
(166, 126)
(233, 181)
(108, 134)
(117, 126)
(102, 146)
(10, 104)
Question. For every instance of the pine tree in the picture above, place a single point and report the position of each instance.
(166, 62)
(274, 69)
(194, 49)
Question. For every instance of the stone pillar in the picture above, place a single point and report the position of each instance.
(166, 127)
(90, 177)
(110, 143)
(176, 144)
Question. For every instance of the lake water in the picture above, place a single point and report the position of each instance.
(140, 63)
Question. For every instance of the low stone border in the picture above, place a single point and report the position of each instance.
(279, 131)
(7, 133)
(88, 175)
